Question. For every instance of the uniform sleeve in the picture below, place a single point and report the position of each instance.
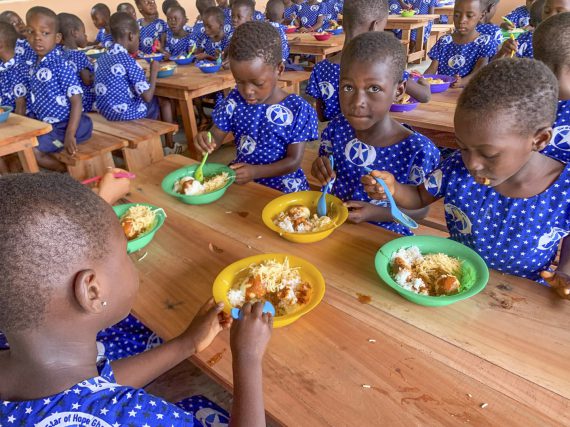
(99, 38)
(137, 78)
(513, 17)
(436, 50)
(323, 9)
(313, 85)
(20, 82)
(305, 126)
(437, 181)
(83, 63)
(426, 160)
(488, 50)
(224, 112)
(69, 81)
(325, 148)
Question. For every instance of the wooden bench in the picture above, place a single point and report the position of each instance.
(293, 80)
(92, 157)
(144, 146)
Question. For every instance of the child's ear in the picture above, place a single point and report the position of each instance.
(87, 291)
(378, 25)
(541, 138)
(58, 38)
(280, 69)
(400, 91)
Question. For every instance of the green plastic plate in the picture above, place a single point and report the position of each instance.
(144, 239)
(210, 169)
(474, 275)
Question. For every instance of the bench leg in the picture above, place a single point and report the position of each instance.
(97, 166)
(190, 124)
(28, 160)
(146, 153)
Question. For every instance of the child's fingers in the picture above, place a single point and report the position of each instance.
(354, 204)
(237, 166)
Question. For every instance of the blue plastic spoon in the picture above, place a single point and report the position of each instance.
(397, 214)
(322, 204)
(267, 308)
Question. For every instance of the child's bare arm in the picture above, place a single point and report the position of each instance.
(70, 143)
(137, 371)
(149, 94)
(20, 106)
(86, 77)
(419, 90)
(320, 107)
(432, 69)
(559, 280)
(360, 211)
(246, 172)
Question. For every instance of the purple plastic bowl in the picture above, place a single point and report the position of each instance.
(442, 87)
(400, 108)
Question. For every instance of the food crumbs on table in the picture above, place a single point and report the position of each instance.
(216, 358)
(469, 395)
(366, 386)
(484, 405)
(364, 299)
(371, 340)
(142, 257)
(259, 237)
(215, 249)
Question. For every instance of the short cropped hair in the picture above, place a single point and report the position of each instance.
(167, 4)
(272, 10)
(216, 12)
(536, 12)
(50, 225)
(520, 88)
(69, 22)
(8, 35)
(40, 10)
(551, 41)
(376, 46)
(121, 24)
(203, 5)
(5, 16)
(358, 12)
(244, 3)
(101, 8)
(178, 8)
(122, 6)
(256, 39)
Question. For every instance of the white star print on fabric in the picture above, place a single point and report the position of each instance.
(104, 38)
(408, 160)
(149, 33)
(323, 85)
(520, 17)
(213, 48)
(179, 46)
(493, 31)
(13, 81)
(559, 147)
(264, 132)
(525, 49)
(422, 7)
(284, 43)
(515, 236)
(459, 59)
(80, 62)
(309, 14)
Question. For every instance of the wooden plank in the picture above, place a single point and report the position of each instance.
(19, 127)
(134, 131)
(432, 115)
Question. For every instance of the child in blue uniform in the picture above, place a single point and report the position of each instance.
(23, 49)
(178, 40)
(152, 28)
(520, 17)
(522, 46)
(464, 52)
(289, 12)
(274, 12)
(61, 383)
(552, 46)
(360, 16)
(422, 7)
(13, 72)
(127, 8)
(100, 14)
(270, 126)
(486, 28)
(311, 16)
(74, 38)
(365, 135)
(198, 29)
(214, 40)
(241, 12)
(55, 92)
(503, 198)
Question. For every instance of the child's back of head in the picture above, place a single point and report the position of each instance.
(72, 28)
(8, 37)
(256, 39)
(364, 15)
(274, 11)
(167, 4)
(551, 42)
(122, 24)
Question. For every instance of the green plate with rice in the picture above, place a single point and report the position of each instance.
(146, 237)
(516, 32)
(474, 272)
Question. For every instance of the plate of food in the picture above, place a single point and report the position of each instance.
(438, 82)
(294, 286)
(431, 271)
(5, 111)
(290, 29)
(183, 59)
(407, 103)
(209, 67)
(515, 32)
(322, 37)
(294, 216)
(149, 57)
(182, 185)
(166, 71)
(94, 53)
(140, 222)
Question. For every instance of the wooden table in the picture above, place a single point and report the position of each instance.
(507, 347)
(306, 44)
(407, 24)
(19, 135)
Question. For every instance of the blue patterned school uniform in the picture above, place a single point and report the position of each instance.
(290, 12)
(493, 31)
(263, 133)
(323, 85)
(119, 83)
(331, 13)
(213, 48)
(100, 401)
(410, 160)
(198, 30)
(104, 38)
(309, 14)
(25, 52)
(513, 235)
(179, 46)
(284, 44)
(525, 49)
(13, 81)
(228, 26)
(460, 59)
(79, 62)
(422, 7)
(559, 147)
(520, 17)
(149, 33)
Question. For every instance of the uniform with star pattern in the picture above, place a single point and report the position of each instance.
(79, 61)
(211, 47)
(309, 14)
(520, 17)
(13, 81)
(149, 33)
(559, 147)
(198, 30)
(460, 59)
(100, 401)
(176, 46)
(24, 51)
(518, 236)
(493, 31)
(263, 132)
(422, 7)
(290, 12)
(525, 49)
(409, 160)
(323, 85)
(284, 43)
(104, 39)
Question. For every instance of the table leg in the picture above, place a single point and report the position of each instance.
(420, 45)
(190, 124)
(28, 160)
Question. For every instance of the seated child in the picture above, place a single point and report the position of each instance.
(52, 217)
(74, 38)
(215, 40)
(486, 28)
(178, 40)
(122, 90)
(127, 8)
(100, 14)
(198, 28)
(464, 52)
(23, 48)
(241, 12)
(13, 72)
(365, 135)
(52, 78)
(270, 126)
(499, 189)
(552, 46)
(520, 17)
(522, 46)
(360, 16)
(311, 16)
(152, 28)
(274, 13)
(290, 12)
